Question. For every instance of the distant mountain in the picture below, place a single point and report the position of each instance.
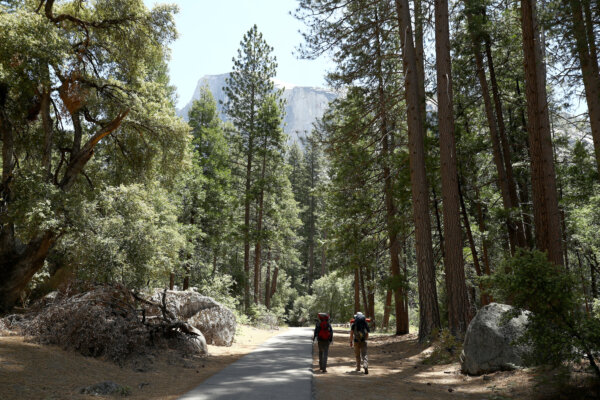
(304, 105)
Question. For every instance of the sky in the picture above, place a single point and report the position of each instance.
(210, 32)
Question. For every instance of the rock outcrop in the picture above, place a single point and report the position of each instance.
(304, 104)
(489, 342)
(215, 321)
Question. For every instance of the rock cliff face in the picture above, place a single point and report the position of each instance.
(304, 105)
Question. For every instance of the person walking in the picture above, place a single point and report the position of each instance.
(324, 335)
(359, 333)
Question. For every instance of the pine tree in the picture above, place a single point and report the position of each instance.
(248, 86)
(212, 156)
(456, 290)
(428, 305)
(543, 179)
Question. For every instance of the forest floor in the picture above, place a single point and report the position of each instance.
(32, 371)
(397, 371)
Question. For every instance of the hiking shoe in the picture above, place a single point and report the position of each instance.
(366, 371)
(325, 371)
(357, 369)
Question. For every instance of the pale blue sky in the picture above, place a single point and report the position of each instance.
(210, 32)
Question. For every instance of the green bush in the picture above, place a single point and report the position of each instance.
(262, 317)
(332, 293)
(559, 328)
(446, 348)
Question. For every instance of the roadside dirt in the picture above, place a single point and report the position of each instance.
(396, 371)
(32, 371)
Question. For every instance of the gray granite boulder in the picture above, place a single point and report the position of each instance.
(215, 321)
(489, 341)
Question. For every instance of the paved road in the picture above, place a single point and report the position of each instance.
(280, 368)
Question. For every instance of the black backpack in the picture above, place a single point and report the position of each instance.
(360, 328)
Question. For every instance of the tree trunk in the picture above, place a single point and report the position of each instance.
(456, 289)
(247, 207)
(268, 285)
(482, 231)
(503, 184)
(48, 133)
(363, 291)
(356, 291)
(543, 179)
(510, 176)
(483, 296)
(584, 40)
(171, 281)
(387, 309)
(311, 228)
(390, 216)
(420, 54)
(274, 283)
(324, 254)
(593, 281)
(438, 223)
(428, 305)
(17, 268)
(258, 245)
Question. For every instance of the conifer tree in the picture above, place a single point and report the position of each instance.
(248, 86)
(456, 290)
(428, 305)
(212, 157)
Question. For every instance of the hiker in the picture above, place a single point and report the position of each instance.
(359, 332)
(324, 335)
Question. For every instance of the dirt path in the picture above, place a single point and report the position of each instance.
(396, 371)
(31, 371)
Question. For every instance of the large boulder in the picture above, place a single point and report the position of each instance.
(215, 321)
(489, 341)
(106, 321)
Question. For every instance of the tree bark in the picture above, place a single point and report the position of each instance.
(420, 54)
(258, 245)
(363, 291)
(48, 133)
(402, 324)
(506, 153)
(274, 283)
(324, 253)
(459, 314)
(356, 291)
(594, 284)
(482, 231)
(428, 305)
(248, 184)
(438, 223)
(586, 48)
(268, 286)
(545, 202)
(483, 296)
(496, 149)
(17, 268)
(387, 309)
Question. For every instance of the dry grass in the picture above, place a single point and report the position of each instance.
(34, 371)
(397, 371)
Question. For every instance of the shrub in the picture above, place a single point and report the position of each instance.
(332, 293)
(446, 348)
(559, 328)
(264, 318)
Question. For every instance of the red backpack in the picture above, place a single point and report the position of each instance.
(324, 333)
